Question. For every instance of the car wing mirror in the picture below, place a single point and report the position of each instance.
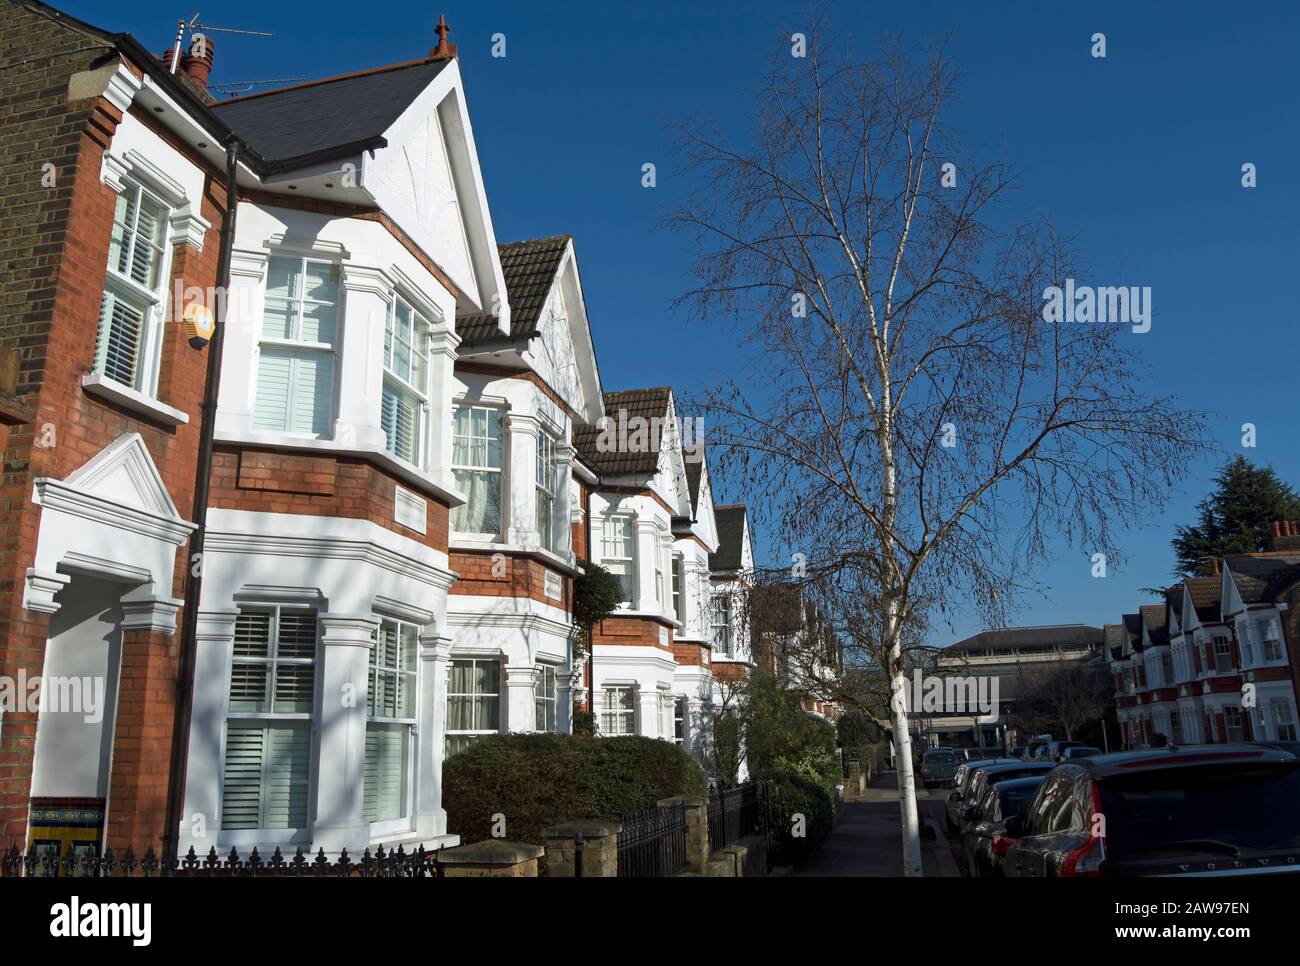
(990, 829)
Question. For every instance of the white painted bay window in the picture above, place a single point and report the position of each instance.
(546, 696)
(477, 459)
(390, 718)
(616, 554)
(403, 412)
(295, 369)
(131, 309)
(473, 702)
(618, 710)
(548, 486)
(267, 769)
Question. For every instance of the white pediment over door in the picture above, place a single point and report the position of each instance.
(124, 473)
(419, 178)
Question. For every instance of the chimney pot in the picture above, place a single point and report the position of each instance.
(198, 62)
(1276, 527)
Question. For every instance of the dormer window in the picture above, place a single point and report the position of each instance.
(295, 371)
(130, 313)
(403, 413)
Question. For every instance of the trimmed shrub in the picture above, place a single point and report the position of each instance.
(789, 796)
(536, 780)
(781, 736)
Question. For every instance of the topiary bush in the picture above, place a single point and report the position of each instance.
(789, 796)
(536, 780)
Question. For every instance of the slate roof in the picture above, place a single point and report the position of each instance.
(693, 474)
(529, 268)
(731, 535)
(1113, 637)
(1264, 579)
(326, 114)
(1007, 637)
(646, 404)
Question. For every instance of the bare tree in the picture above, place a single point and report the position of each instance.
(911, 414)
(1073, 694)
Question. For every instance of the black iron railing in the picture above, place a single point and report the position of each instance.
(736, 813)
(653, 842)
(43, 860)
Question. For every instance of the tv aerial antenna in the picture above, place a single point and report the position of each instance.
(197, 29)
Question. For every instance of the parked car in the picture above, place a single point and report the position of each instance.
(1018, 751)
(961, 785)
(989, 776)
(1205, 810)
(1053, 751)
(987, 843)
(1079, 751)
(938, 767)
(1035, 746)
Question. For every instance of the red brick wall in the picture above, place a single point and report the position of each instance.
(511, 575)
(690, 655)
(632, 630)
(269, 481)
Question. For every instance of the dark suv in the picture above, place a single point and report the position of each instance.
(1207, 810)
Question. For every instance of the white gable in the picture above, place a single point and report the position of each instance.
(428, 181)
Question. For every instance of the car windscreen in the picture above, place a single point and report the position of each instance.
(940, 758)
(1237, 806)
(1014, 800)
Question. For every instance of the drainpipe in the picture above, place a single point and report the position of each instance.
(194, 583)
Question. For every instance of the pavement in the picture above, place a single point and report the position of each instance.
(868, 837)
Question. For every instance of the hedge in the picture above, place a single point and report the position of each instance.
(788, 797)
(536, 780)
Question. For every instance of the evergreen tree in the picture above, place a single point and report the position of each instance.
(1235, 517)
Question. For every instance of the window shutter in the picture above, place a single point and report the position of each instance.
(385, 772)
(117, 347)
(399, 418)
(242, 786)
(285, 774)
(313, 384)
(272, 389)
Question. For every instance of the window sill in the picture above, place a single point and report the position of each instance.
(101, 387)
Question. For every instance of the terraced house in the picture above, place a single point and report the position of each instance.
(1216, 661)
(287, 565)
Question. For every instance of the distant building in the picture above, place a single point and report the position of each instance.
(1006, 654)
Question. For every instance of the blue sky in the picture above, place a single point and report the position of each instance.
(1139, 155)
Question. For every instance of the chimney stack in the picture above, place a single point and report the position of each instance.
(444, 50)
(198, 63)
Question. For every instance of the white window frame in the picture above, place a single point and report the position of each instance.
(666, 708)
(271, 717)
(1224, 666)
(402, 385)
(1284, 727)
(626, 541)
(547, 483)
(402, 678)
(681, 720)
(546, 702)
(149, 349)
(299, 345)
(493, 412)
(469, 734)
(678, 577)
(720, 619)
(609, 712)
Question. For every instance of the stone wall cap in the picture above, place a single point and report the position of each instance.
(490, 852)
(692, 800)
(589, 827)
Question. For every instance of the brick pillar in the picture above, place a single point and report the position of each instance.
(142, 722)
(697, 830)
(599, 849)
(491, 858)
(24, 651)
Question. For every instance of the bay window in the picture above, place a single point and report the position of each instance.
(131, 308)
(267, 768)
(546, 697)
(618, 710)
(477, 459)
(403, 412)
(548, 486)
(616, 554)
(390, 716)
(679, 720)
(473, 702)
(295, 368)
